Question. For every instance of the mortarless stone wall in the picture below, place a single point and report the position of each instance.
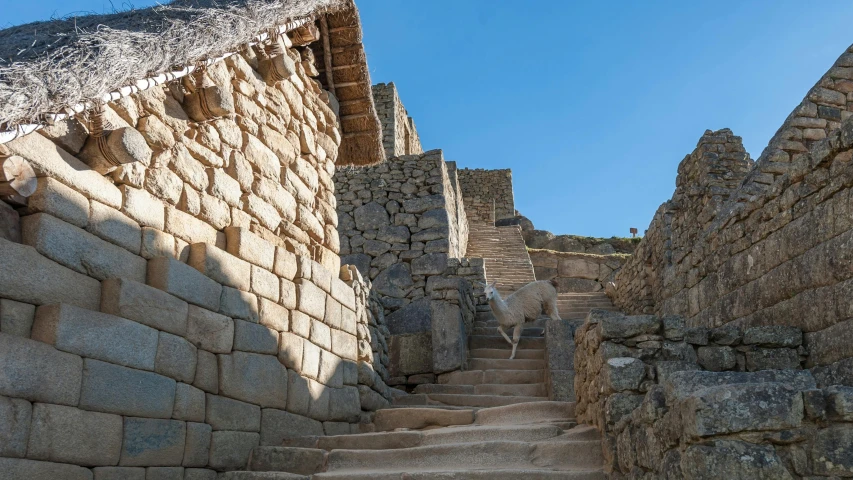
(488, 194)
(576, 272)
(400, 137)
(181, 310)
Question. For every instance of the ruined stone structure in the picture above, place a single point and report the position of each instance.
(488, 194)
(400, 137)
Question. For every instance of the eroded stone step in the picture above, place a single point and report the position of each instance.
(493, 330)
(302, 461)
(262, 476)
(523, 413)
(497, 341)
(486, 377)
(520, 354)
(520, 389)
(485, 401)
(419, 418)
(465, 474)
(505, 364)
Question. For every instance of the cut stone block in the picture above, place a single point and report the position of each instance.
(183, 281)
(152, 442)
(285, 263)
(300, 324)
(343, 293)
(449, 340)
(220, 266)
(348, 321)
(298, 395)
(333, 313)
(344, 404)
(319, 404)
(198, 444)
(15, 417)
(321, 277)
(125, 391)
(277, 425)
(54, 198)
(189, 403)
(273, 315)
(251, 337)
(207, 372)
(156, 243)
(188, 228)
(10, 223)
(176, 358)
(310, 359)
(200, 473)
(310, 299)
(254, 378)
(228, 414)
(16, 318)
(96, 335)
(143, 208)
(164, 473)
(344, 345)
(321, 334)
(288, 294)
(290, 351)
(209, 330)
(224, 187)
(18, 468)
(144, 304)
(250, 247)
(70, 435)
(115, 227)
(38, 372)
(231, 450)
(80, 250)
(265, 283)
(331, 370)
(119, 473)
(239, 304)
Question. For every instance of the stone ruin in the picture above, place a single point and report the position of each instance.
(246, 267)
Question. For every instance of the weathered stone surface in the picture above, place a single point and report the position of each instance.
(331, 370)
(415, 317)
(207, 372)
(80, 250)
(164, 473)
(156, 243)
(288, 294)
(152, 442)
(344, 404)
(772, 359)
(47, 281)
(321, 335)
(732, 459)
(310, 299)
(615, 326)
(70, 435)
(371, 216)
(143, 208)
(125, 391)
(227, 414)
(238, 304)
(717, 359)
(251, 337)
(430, 264)
(96, 335)
(62, 202)
(619, 405)
(682, 384)
(197, 447)
(38, 372)
(18, 468)
(773, 336)
(290, 351)
(220, 266)
(143, 304)
(831, 451)
(16, 318)
(370, 400)
(15, 418)
(114, 227)
(620, 374)
(298, 394)
(736, 408)
(318, 408)
(210, 331)
(176, 358)
(189, 403)
(231, 450)
(119, 473)
(277, 425)
(254, 378)
(395, 281)
(184, 282)
(244, 244)
(200, 473)
(344, 345)
(265, 283)
(285, 263)
(410, 354)
(449, 340)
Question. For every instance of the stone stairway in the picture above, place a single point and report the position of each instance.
(505, 255)
(576, 306)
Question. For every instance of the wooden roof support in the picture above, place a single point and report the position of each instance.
(327, 54)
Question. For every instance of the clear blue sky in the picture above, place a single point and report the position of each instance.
(591, 104)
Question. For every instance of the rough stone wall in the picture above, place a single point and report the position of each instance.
(679, 402)
(400, 137)
(779, 259)
(169, 313)
(488, 194)
(576, 272)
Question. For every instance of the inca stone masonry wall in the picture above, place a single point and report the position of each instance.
(487, 194)
(576, 272)
(400, 137)
(171, 316)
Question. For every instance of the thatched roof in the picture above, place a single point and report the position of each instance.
(49, 67)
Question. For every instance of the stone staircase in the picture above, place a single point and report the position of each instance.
(576, 306)
(505, 255)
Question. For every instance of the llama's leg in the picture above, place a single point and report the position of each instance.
(554, 313)
(516, 336)
(506, 337)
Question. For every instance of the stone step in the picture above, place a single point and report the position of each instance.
(482, 401)
(487, 377)
(520, 354)
(262, 476)
(520, 389)
(496, 341)
(526, 413)
(465, 474)
(302, 461)
(493, 330)
(419, 418)
(505, 364)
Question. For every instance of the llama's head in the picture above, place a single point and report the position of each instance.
(491, 291)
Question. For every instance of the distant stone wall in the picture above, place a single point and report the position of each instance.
(576, 272)
(179, 310)
(400, 136)
(481, 188)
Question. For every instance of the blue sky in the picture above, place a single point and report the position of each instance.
(591, 104)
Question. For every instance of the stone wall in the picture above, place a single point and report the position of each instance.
(169, 314)
(488, 194)
(779, 259)
(576, 272)
(400, 137)
(678, 402)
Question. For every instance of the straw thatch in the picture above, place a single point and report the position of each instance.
(47, 67)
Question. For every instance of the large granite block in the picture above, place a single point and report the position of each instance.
(126, 391)
(144, 304)
(38, 372)
(153, 442)
(70, 435)
(253, 378)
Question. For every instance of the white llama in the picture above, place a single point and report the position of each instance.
(525, 305)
